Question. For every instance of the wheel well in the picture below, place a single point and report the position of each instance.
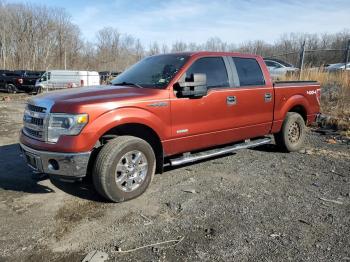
(141, 131)
(300, 110)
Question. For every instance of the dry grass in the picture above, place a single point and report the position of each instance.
(335, 94)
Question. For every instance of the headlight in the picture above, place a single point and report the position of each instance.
(65, 124)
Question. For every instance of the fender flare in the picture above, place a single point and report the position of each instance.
(293, 101)
(280, 114)
(128, 115)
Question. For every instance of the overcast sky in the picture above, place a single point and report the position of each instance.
(196, 21)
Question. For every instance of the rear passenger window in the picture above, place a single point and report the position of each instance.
(249, 72)
(214, 68)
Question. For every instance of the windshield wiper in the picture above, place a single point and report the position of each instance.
(128, 84)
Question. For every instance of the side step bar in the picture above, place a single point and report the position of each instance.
(189, 158)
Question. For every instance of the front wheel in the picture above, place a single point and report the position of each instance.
(292, 135)
(124, 168)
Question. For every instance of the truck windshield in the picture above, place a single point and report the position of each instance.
(152, 72)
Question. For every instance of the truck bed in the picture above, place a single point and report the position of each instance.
(298, 96)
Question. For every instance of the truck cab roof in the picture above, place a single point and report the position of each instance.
(212, 53)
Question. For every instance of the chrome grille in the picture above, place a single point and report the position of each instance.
(34, 108)
(34, 122)
(33, 133)
(37, 121)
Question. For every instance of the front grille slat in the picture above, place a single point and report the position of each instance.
(34, 122)
(34, 108)
(37, 121)
(33, 133)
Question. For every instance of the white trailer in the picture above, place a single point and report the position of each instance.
(59, 79)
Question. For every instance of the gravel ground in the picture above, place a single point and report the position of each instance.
(255, 205)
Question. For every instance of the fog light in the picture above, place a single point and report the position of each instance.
(53, 164)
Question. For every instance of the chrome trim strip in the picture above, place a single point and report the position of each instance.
(35, 114)
(33, 127)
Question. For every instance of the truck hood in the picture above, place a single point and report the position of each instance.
(77, 100)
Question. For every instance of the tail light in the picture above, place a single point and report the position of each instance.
(20, 81)
(81, 82)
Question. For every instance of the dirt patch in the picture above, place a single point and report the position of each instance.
(5, 97)
(72, 213)
(46, 255)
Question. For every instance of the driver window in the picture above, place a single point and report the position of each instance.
(214, 68)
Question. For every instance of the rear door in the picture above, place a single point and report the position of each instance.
(252, 112)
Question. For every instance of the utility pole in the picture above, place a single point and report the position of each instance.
(65, 59)
(301, 58)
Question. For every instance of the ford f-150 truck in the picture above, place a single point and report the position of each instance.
(167, 109)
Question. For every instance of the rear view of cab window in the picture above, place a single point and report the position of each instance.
(249, 72)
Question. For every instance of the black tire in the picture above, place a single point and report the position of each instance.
(104, 173)
(292, 135)
(11, 89)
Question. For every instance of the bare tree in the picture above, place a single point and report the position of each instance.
(179, 46)
(39, 37)
(154, 49)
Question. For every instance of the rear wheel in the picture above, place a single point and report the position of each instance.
(11, 89)
(124, 168)
(292, 135)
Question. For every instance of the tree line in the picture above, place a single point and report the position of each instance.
(37, 37)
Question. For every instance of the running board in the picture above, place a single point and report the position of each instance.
(189, 158)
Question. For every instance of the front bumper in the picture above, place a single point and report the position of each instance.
(70, 165)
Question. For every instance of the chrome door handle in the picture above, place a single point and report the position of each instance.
(268, 97)
(231, 100)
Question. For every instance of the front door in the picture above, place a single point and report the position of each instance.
(201, 122)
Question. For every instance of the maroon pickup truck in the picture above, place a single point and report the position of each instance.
(167, 109)
(19, 81)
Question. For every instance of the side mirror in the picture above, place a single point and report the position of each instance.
(194, 86)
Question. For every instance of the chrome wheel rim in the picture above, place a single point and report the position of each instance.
(131, 170)
(294, 133)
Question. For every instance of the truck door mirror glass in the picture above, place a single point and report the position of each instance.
(193, 86)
